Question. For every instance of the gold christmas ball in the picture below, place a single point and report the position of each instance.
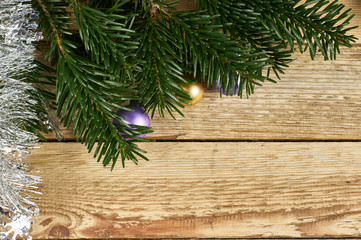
(194, 90)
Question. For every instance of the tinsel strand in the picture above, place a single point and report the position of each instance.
(18, 185)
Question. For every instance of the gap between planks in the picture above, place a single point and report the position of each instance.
(225, 239)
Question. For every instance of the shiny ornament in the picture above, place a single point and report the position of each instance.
(194, 90)
(138, 117)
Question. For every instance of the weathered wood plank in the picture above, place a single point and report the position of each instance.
(244, 189)
(314, 100)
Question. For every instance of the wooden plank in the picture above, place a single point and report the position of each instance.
(244, 189)
(315, 100)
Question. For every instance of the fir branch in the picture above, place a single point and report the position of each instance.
(106, 36)
(214, 56)
(90, 106)
(53, 24)
(161, 75)
(273, 26)
(175, 43)
(243, 25)
(87, 94)
(312, 22)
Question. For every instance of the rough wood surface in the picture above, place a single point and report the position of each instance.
(202, 190)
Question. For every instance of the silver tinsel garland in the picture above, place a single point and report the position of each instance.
(18, 185)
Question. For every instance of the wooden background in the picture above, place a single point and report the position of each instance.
(285, 163)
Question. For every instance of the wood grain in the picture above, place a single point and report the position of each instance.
(205, 189)
(315, 100)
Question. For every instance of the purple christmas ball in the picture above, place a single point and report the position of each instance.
(138, 117)
(236, 86)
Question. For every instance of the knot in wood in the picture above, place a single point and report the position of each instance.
(59, 231)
